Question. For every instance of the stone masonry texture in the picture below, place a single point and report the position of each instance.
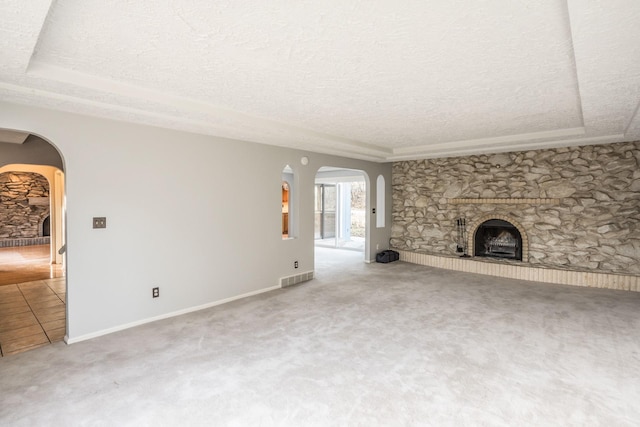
(593, 225)
(19, 219)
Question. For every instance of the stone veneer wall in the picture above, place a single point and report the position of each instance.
(18, 218)
(579, 206)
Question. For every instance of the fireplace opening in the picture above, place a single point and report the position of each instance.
(46, 226)
(498, 239)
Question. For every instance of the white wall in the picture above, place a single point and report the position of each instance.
(142, 178)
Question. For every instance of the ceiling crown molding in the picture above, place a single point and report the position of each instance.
(326, 80)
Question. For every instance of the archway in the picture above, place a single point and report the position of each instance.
(340, 212)
(33, 264)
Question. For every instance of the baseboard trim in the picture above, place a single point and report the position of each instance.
(107, 331)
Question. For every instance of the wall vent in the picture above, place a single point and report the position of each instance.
(295, 279)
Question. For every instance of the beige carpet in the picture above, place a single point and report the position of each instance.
(378, 344)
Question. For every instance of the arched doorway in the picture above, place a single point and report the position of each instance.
(340, 214)
(32, 265)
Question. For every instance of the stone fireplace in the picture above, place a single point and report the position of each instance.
(496, 238)
(45, 227)
(569, 210)
(24, 205)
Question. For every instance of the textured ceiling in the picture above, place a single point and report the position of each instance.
(377, 79)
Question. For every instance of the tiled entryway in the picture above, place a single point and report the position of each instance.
(32, 314)
(27, 263)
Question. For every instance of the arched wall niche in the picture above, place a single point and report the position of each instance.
(289, 211)
(380, 202)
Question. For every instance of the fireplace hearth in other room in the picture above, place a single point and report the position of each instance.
(498, 239)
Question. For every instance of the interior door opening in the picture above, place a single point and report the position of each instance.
(340, 209)
(32, 266)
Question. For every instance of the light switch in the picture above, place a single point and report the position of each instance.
(99, 222)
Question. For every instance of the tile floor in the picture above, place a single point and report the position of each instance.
(21, 264)
(32, 314)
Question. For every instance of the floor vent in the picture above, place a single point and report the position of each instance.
(294, 280)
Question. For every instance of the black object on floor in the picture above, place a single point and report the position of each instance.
(387, 256)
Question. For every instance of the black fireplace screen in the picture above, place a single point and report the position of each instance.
(499, 239)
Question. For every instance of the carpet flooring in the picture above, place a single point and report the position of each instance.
(361, 345)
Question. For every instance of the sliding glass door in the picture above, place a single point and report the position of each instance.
(325, 211)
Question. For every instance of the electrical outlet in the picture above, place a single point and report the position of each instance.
(295, 264)
(155, 292)
(99, 222)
